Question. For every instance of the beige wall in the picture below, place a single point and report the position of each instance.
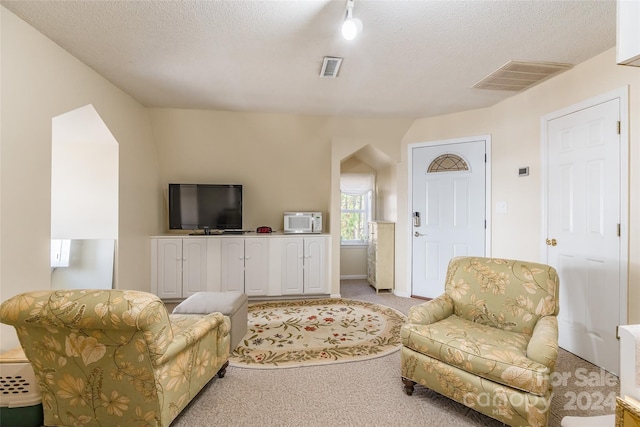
(353, 262)
(514, 126)
(386, 194)
(40, 81)
(283, 161)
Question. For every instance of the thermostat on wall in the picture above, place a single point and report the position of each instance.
(523, 171)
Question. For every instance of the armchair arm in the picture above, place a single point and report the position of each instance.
(543, 345)
(431, 311)
(191, 335)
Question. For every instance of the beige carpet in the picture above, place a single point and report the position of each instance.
(370, 393)
(286, 334)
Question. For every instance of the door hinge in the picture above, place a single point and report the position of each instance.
(485, 224)
(485, 157)
(617, 332)
(618, 229)
(619, 127)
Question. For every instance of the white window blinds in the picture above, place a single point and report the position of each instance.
(356, 183)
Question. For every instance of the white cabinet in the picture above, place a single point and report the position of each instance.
(315, 281)
(232, 265)
(381, 255)
(292, 266)
(194, 266)
(179, 267)
(244, 265)
(303, 265)
(628, 33)
(258, 265)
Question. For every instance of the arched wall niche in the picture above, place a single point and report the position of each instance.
(356, 155)
(84, 200)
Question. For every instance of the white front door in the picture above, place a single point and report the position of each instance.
(448, 209)
(583, 232)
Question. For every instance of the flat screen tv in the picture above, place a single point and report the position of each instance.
(205, 207)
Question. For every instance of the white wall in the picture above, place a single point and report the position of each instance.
(514, 126)
(40, 81)
(90, 266)
(84, 177)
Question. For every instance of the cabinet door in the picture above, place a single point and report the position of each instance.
(628, 33)
(232, 268)
(256, 266)
(314, 278)
(194, 266)
(169, 268)
(292, 266)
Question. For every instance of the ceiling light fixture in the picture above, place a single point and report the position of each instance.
(351, 26)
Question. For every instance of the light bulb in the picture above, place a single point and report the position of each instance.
(351, 27)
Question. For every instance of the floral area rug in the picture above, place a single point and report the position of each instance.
(285, 334)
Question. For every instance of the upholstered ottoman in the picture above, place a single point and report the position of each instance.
(232, 304)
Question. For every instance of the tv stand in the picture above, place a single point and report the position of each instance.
(260, 265)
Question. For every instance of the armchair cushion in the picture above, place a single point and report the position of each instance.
(488, 352)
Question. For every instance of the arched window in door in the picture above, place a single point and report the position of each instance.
(448, 163)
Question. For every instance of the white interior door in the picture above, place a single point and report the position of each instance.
(448, 209)
(583, 217)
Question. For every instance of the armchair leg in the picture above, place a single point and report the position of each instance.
(408, 385)
(223, 370)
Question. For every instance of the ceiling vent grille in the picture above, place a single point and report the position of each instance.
(516, 75)
(330, 67)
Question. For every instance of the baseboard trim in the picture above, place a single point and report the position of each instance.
(353, 277)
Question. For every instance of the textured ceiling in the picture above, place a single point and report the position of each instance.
(413, 59)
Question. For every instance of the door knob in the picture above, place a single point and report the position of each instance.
(552, 242)
(417, 234)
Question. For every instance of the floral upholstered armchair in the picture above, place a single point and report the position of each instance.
(490, 341)
(115, 357)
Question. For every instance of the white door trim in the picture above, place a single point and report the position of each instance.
(409, 219)
(623, 94)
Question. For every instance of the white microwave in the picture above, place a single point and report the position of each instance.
(302, 222)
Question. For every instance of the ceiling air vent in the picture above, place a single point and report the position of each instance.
(330, 66)
(516, 75)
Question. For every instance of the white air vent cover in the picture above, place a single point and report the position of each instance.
(516, 76)
(330, 66)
